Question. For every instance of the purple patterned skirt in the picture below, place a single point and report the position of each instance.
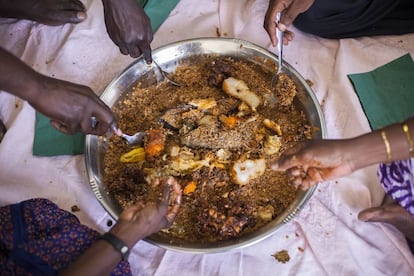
(39, 238)
(397, 179)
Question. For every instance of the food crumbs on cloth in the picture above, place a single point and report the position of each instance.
(75, 208)
(309, 82)
(297, 235)
(301, 249)
(282, 256)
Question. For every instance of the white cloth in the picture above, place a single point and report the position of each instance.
(334, 242)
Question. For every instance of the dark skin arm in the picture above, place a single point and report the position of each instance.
(49, 12)
(134, 224)
(126, 21)
(70, 106)
(129, 27)
(314, 161)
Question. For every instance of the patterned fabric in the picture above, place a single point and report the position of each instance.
(397, 179)
(39, 238)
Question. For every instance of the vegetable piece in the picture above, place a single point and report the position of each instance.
(156, 143)
(135, 155)
(230, 122)
(244, 171)
(239, 89)
(190, 188)
(272, 125)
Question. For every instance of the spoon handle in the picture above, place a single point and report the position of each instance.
(279, 35)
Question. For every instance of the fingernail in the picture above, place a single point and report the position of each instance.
(364, 217)
(81, 15)
(282, 27)
(274, 167)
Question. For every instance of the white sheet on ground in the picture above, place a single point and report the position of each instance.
(334, 242)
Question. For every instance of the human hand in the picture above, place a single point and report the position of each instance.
(393, 214)
(70, 106)
(290, 10)
(129, 27)
(49, 12)
(313, 161)
(140, 221)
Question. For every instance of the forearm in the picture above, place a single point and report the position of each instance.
(100, 259)
(16, 77)
(371, 148)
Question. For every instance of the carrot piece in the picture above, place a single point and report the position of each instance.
(190, 187)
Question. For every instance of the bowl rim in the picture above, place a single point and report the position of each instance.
(224, 245)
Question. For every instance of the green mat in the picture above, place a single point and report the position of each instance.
(50, 142)
(387, 93)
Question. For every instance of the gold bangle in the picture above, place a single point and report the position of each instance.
(409, 141)
(387, 145)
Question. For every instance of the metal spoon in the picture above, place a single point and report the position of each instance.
(164, 75)
(135, 139)
(132, 140)
(279, 35)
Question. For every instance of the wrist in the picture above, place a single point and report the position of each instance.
(117, 244)
(126, 233)
(366, 150)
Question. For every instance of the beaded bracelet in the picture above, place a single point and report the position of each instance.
(387, 145)
(409, 141)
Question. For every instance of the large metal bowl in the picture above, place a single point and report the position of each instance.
(168, 57)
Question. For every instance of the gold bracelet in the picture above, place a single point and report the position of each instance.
(387, 145)
(409, 141)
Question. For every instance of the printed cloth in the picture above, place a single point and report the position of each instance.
(39, 238)
(397, 179)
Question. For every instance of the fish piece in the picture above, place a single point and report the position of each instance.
(172, 118)
(220, 70)
(214, 136)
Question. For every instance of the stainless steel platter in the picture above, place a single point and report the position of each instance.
(168, 57)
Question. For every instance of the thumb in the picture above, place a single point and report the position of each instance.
(374, 214)
(69, 16)
(62, 127)
(388, 213)
(285, 162)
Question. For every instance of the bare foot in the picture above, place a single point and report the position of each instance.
(49, 12)
(392, 213)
